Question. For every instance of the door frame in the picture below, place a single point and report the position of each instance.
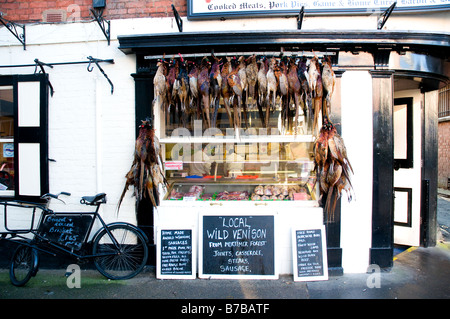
(428, 229)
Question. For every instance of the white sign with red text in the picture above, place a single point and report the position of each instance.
(203, 9)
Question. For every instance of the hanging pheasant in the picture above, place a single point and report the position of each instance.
(332, 167)
(329, 81)
(145, 173)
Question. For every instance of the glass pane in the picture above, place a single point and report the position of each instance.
(400, 131)
(6, 139)
(6, 112)
(238, 191)
(275, 161)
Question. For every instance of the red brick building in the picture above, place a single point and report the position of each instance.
(444, 138)
(34, 11)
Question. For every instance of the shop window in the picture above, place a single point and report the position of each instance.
(265, 137)
(403, 133)
(23, 136)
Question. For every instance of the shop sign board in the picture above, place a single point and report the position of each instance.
(237, 246)
(309, 251)
(68, 230)
(173, 165)
(177, 253)
(8, 150)
(218, 9)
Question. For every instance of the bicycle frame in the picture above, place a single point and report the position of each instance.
(70, 232)
(40, 237)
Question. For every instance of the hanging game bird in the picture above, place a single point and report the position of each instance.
(252, 76)
(215, 85)
(329, 81)
(145, 173)
(332, 167)
(160, 88)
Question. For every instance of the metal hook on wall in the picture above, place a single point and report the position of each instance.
(41, 66)
(41, 69)
(90, 67)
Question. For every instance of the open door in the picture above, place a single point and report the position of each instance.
(407, 167)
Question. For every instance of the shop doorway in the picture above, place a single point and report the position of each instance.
(407, 170)
(411, 208)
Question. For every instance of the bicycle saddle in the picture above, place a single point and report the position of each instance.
(94, 200)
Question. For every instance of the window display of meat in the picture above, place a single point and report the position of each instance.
(207, 197)
(259, 190)
(232, 195)
(174, 195)
(280, 192)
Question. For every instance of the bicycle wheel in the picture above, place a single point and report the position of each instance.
(124, 260)
(24, 264)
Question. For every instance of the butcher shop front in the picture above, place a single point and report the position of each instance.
(258, 157)
(248, 139)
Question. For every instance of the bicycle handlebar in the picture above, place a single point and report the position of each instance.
(86, 200)
(54, 196)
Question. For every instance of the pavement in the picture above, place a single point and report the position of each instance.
(418, 273)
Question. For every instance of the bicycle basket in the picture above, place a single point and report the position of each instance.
(19, 218)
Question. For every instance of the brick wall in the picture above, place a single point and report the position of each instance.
(443, 153)
(26, 11)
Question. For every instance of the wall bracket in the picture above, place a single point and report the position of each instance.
(13, 28)
(105, 25)
(300, 18)
(177, 19)
(384, 16)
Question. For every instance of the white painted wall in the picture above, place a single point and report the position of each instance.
(91, 132)
(356, 216)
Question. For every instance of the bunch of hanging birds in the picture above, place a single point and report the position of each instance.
(146, 174)
(192, 89)
(332, 167)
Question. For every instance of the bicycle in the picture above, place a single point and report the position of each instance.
(119, 249)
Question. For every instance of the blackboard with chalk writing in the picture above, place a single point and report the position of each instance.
(237, 246)
(176, 252)
(309, 254)
(68, 230)
(176, 257)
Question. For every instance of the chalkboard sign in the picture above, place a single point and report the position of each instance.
(68, 230)
(309, 254)
(237, 246)
(176, 257)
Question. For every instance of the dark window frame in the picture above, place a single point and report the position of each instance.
(30, 135)
(408, 222)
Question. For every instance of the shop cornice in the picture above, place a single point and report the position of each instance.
(223, 41)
